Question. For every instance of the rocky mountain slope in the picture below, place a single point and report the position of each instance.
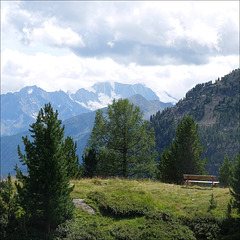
(20, 109)
(215, 107)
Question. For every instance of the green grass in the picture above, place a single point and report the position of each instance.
(178, 199)
(145, 209)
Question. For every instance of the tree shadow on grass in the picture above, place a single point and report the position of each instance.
(198, 188)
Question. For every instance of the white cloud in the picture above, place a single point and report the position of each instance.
(168, 45)
(53, 35)
(70, 72)
(160, 23)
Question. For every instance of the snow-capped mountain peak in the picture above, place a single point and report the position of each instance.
(20, 109)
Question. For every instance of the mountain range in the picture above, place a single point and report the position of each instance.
(19, 109)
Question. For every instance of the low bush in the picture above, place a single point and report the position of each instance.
(153, 226)
(123, 204)
(207, 227)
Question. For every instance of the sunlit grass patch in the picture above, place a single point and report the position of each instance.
(178, 199)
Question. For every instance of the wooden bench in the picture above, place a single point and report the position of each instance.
(205, 179)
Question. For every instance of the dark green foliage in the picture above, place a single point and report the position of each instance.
(165, 130)
(225, 172)
(235, 183)
(44, 193)
(73, 165)
(8, 209)
(220, 140)
(154, 229)
(208, 227)
(123, 143)
(205, 227)
(184, 154)
(229, 208)
(90, 163)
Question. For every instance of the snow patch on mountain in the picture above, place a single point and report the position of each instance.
(30, 91)
(166, 97)
(21, 108)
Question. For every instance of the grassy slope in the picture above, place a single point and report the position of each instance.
(129, 209)
(179, 200)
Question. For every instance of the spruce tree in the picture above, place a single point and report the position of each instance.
(90, 163)
(73, 165)
(225, 172)
(44, 192)
(184, 154)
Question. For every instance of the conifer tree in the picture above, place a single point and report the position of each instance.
(123, 140)
(90, 163)
(184, 154)
(44, 192)
(225, 172)
(73, 165)
(235, 186)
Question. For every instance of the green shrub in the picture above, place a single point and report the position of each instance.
(122, 203)
(157, 225)
(213, 203)
(205, 227)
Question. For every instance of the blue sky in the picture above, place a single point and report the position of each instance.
(167, 45)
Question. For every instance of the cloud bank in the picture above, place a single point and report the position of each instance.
(167, 45)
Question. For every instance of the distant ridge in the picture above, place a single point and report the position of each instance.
(20, 109)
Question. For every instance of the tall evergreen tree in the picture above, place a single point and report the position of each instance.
(184, 154)
(235, 183)
(73, 165)
(225, 172)
(90, 163)
(123, 141)
(44, 193)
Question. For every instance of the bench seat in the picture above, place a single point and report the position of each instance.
(205, 179)
(207, 182)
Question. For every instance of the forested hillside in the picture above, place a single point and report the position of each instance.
(215, 108)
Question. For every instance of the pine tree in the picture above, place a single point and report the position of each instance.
(225, 172)
(235, 183)
(44, 193)
(73, 165)
(90, 163)
(184, 154)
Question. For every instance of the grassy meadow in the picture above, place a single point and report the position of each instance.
(180, 200)
(145, 209)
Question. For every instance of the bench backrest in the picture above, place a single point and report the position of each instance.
(199, 177)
